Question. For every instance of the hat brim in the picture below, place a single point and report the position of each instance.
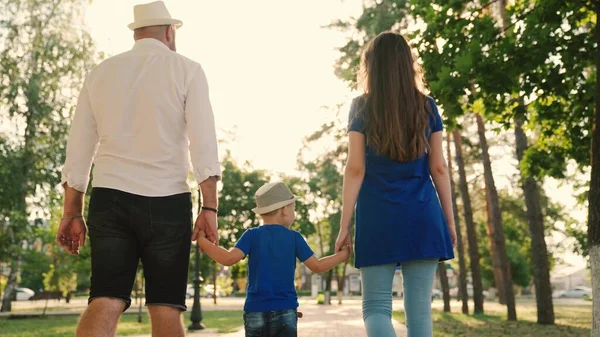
(275, 206)
(154, 22)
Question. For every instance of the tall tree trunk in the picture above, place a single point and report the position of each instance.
(539, 250)
(11, 285)
(535, 218)
(460, 247)
(215, 266)
(498, 232)
(445, 286)
(341, 279)
(594, 195)
(497, 265)
(471, 231)
(328, 287)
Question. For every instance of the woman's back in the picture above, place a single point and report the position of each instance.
(398, 216)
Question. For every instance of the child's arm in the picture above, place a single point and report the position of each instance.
(220, 254)
(324, 264)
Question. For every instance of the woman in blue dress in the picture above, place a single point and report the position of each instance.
(396, 179)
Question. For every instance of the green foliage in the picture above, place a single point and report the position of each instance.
(43, 61)
(236, 200)
(574, 321)
(63, 281)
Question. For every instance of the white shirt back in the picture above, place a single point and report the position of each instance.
(137, 115)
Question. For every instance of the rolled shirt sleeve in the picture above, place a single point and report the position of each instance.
(82, 145)
(200, 128)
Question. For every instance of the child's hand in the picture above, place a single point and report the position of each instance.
(345, 252)
(202, 234)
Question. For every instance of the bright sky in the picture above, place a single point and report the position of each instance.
(268, 62)
(269, 65)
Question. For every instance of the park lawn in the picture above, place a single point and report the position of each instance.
(64, 326)
(571, 321)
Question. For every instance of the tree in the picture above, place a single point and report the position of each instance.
(324, 180)
(471, 230)
(460, 246)
(594, 194)
(43, 60)
(497, 235)
(236, 201)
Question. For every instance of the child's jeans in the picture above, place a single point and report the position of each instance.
(282, 323)
(377, 281)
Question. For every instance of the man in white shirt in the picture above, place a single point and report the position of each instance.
(136, 117)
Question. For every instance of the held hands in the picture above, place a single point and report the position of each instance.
(206, 222)
(345, 252)
(344, 239)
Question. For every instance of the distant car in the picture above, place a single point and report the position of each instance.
(189, 292)
(577, 292)
(436, 294)
(207, 291)
(23, 294)
(454, 292)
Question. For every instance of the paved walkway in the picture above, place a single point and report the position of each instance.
(320, 321)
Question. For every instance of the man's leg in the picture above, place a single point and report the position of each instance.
(115, 256)
(165, 256)
(100, 318)
(166, 321)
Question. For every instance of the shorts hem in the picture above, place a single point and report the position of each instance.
(178, 306)
(127, 301)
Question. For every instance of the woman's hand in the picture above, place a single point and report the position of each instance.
(344, 239)
(452, 231)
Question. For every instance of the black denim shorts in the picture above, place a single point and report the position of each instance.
(125, 228)
(281, 323)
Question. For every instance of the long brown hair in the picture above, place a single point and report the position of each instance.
(395, 110)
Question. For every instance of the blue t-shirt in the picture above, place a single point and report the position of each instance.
(398, 214)
(272, 251)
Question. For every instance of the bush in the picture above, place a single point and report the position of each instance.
(304, 293)
(320, 298)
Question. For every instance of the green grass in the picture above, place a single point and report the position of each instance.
(571, 321)
(64, 326)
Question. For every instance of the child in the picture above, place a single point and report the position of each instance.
(271, 299)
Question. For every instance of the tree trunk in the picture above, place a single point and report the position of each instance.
(594, 195)
(539, 250)
(462, 269)
(471, 230)
(215, 283)
(498, 233)
(444, 285)
(328, 287)
(341, 283)
(497, 265)
(11, 285)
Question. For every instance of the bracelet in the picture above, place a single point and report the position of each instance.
(71, 217)
(210, 209)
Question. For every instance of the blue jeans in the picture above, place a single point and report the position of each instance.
(282, 323)
(377, 281)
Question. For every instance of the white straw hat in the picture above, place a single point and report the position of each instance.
(152, 14)
(272, 196)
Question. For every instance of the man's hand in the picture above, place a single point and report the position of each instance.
(71, 234)
(207, 222)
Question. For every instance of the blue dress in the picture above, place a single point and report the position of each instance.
(398, 214)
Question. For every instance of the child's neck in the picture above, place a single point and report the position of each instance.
(274, 224)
